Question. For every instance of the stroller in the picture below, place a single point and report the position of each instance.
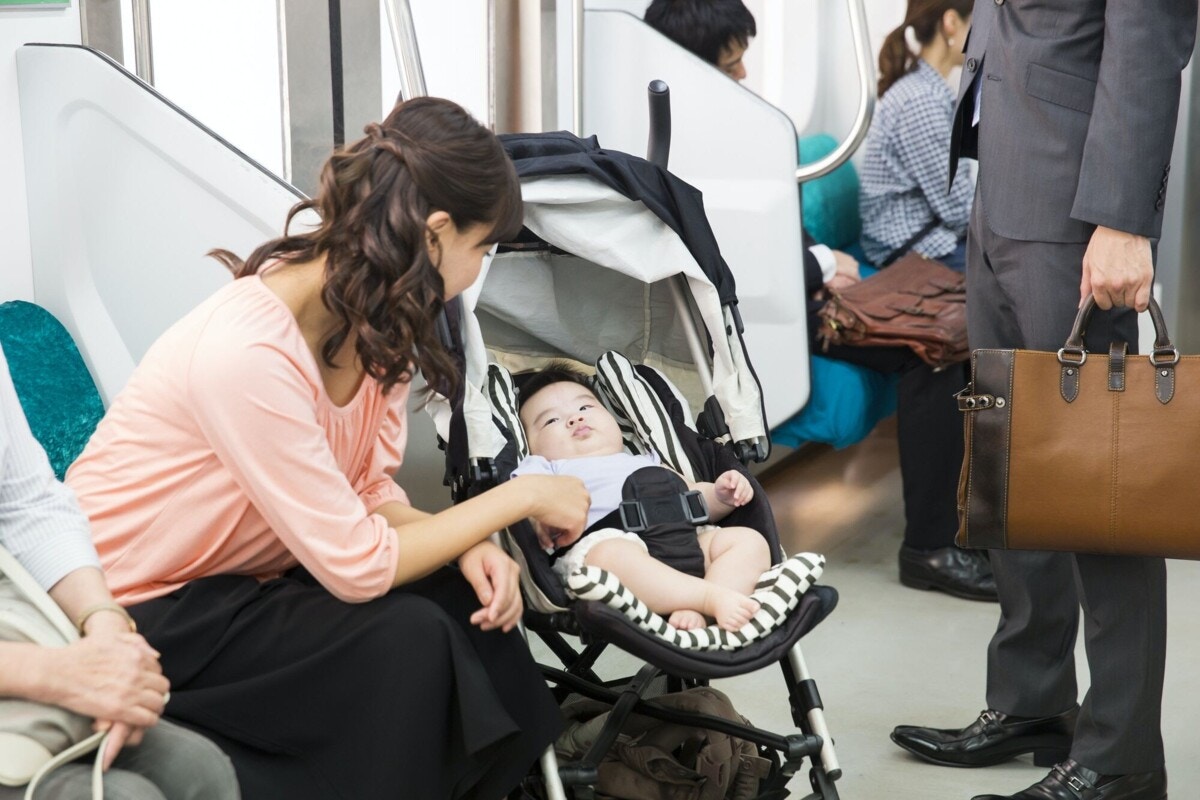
(617, 248)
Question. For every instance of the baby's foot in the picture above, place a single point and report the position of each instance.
(687, 620)
(730, 609)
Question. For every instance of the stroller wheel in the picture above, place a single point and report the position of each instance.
(822, 785)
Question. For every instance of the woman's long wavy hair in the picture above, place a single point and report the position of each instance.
(925, 17)
(374, 199)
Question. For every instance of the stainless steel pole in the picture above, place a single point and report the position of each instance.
(404, 41)
(866, 101)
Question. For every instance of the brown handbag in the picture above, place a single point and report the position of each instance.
(1080, 453)
(916, 302)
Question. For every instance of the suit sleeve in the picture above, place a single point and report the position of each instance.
(1127, 154)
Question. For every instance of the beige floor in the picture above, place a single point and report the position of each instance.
(890, 655)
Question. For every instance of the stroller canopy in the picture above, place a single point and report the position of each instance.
(597, 271)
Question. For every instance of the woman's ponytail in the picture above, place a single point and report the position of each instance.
(895, 59)
(922, 22)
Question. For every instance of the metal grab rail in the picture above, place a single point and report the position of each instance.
(577, 67)
(143, 50)
(866, 102)
(404, 42)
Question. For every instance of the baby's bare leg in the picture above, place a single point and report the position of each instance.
(665, 589)
(736, 557)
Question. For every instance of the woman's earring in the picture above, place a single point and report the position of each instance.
(950, 41)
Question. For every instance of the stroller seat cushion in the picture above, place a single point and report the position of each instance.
(778, 592)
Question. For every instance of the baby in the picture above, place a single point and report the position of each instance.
(571, 433)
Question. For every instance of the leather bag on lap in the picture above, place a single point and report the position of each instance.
(916, 302)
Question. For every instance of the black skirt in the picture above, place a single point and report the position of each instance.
(312, 697)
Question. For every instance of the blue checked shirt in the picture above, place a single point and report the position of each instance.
(907, 166)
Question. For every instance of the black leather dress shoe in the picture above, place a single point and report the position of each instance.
(1073, 781)
(992, 738)
(962, 573)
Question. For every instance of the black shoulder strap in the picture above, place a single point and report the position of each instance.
(916, 237)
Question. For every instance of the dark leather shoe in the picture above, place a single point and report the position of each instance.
(1073, 781)
(962, 573)
(992, 738)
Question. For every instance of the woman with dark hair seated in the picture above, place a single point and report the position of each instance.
(335, 640)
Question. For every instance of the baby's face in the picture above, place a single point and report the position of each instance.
(565, 420)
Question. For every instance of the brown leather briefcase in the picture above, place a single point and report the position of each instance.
(916, 302)
(1083, 452)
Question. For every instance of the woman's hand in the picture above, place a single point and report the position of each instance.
(733, 488)
(115, 678)
(558, 503)
(496, 580)
(112, 675)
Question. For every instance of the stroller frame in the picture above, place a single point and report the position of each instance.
(472, 468)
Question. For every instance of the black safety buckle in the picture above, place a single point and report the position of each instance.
(639, 515)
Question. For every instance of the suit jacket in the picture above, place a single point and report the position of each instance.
(1078, 111)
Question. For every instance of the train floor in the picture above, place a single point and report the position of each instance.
(892, 655)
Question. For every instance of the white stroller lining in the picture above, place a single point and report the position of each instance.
(778, 592)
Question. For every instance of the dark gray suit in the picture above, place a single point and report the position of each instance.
(1078, 110)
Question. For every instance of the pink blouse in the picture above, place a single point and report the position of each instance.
(225, 455)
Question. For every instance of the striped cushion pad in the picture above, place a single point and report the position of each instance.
(778, 592)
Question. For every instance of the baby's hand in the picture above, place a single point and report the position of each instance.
(544, 538)
(733, 488)
(551, 539)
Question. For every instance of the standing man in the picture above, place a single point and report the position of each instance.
(1070, 107)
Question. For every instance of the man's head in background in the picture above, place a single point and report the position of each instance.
(718, 31)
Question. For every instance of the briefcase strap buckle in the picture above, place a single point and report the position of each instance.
(975, 402)
(1062, 356)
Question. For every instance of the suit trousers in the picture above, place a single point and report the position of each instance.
(1023, 294)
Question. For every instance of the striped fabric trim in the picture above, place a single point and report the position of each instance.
(778, 592)
(503, 396)
(626, 393)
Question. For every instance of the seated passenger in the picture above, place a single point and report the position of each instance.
(929, 428)
(674, 568)
(906, 169)
(110, 673)
(335, 640)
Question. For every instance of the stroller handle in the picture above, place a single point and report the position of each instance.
(658, 147)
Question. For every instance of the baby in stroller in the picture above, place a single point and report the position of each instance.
(675, 564)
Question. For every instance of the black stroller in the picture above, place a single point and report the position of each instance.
(617, 256)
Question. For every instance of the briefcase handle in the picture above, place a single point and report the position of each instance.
(1073, 352)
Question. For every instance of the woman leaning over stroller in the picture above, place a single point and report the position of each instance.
(240, 489)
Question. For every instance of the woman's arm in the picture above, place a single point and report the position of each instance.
(429, 541)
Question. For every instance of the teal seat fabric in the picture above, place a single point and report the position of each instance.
(829, 204)
(56, 390)
(845, 404)
(846, 400)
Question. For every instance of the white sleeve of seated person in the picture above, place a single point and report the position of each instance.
(40, 521)
(826, 260)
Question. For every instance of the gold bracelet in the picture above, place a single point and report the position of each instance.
(109, 606)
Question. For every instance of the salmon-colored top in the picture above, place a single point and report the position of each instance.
(225, 455)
